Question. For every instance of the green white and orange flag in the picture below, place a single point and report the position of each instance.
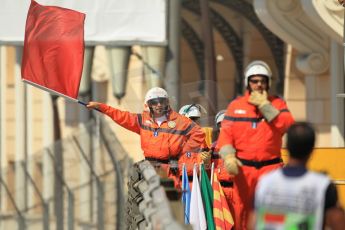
(221, 212)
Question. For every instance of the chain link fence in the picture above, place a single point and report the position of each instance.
(77, 183)
(80, 183)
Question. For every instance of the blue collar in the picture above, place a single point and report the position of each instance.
(294, 171)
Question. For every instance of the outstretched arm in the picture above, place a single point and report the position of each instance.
(123, 118)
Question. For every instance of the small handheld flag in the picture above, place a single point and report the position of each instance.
(186, 194)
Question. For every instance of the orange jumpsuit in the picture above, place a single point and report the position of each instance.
(257, 143)
(176, 136)
(191, 158)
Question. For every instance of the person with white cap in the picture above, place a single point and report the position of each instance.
(165, 135)
(250, 139)
(194, 112)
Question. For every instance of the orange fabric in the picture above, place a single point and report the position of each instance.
(256, 140)
(244, 192)
(191, 158)
(185, 136)
(223, 175)
(178, 137)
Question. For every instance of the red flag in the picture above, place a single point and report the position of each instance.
(54, 49)
(221, 212)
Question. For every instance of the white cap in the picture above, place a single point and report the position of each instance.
(155, 92)
(257, 68)
(219, 116)
(192, 110)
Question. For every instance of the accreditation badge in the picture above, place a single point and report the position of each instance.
(189, 154)
(171, 124)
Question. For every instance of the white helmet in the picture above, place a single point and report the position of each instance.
(219, 116)
(257, 68)
(192, 110)
(155, 92)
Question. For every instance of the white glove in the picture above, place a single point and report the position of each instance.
(231, 163)
(261, 101)
(258, 99)
(206, 157)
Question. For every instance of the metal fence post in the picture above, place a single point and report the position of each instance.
(70, 200)
(45, 213)
(21, 219)
(70, 211)
(120, 197)
(100, 216)
(100, 205)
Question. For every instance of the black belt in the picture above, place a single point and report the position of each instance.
(165, 161)
(190, 178)
(260, 164)
(226, 183)
(215, 156)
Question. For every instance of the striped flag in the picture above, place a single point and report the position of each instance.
(221, 212)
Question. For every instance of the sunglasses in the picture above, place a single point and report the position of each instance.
(157, 101)
(256, 81)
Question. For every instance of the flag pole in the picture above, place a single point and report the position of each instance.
(56, 93)
(212, 171)
(50, 90)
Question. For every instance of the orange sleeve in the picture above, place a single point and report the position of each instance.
(284, 119)
(225, 135)
(190, 153)
(123, 118)
(195, 139)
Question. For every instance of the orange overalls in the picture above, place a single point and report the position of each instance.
(176, 136)
(257, 145)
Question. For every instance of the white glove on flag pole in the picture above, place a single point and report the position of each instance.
(54, 50)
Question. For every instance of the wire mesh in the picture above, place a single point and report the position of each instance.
(74, 182)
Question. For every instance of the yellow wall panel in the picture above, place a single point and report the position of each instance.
(330, 161)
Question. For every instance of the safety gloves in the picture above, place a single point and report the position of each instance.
(261, 101)
(206, 157)
(231, 163)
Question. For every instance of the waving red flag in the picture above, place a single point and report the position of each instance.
(54, 49)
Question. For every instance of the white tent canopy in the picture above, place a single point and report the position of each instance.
(116, 22)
